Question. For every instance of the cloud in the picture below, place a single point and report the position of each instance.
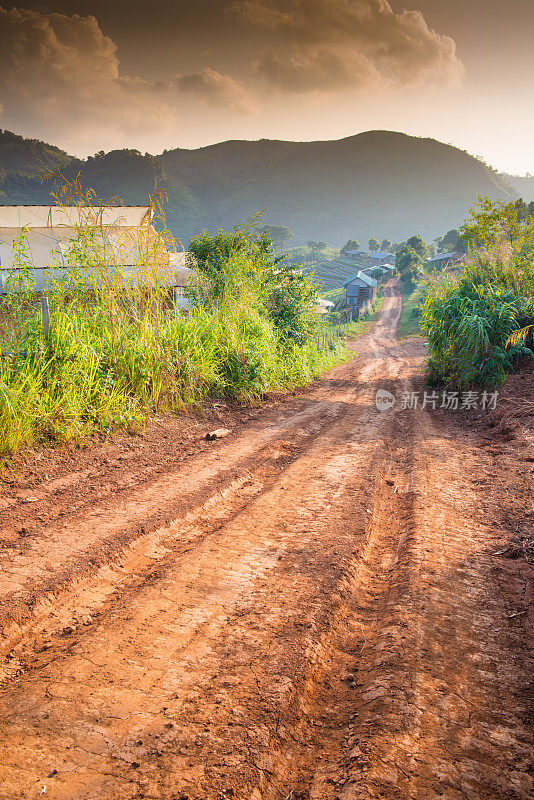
(58, 70)
(212, 88)
(321, 45)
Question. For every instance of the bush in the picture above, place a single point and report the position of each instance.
(469, 320)
(118, 351)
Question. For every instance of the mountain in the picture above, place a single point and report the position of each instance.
(377, 183)
(522, 185)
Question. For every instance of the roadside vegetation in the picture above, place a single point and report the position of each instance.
(479, 321)
(410, 319)
(360, 325)
(117, 349)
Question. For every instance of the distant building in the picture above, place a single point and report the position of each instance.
(382, 268)
(360, 291)
(356, 254)
(123, 237)
(445, 260)
(379, 259)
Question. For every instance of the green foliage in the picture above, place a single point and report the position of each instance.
(241, 261)
(278, 235)
(316, 247)
(477, 322)
(416, 243)
(118, 351)
(450, 242)
(490, 222)
(211, 256)
(386, 246)
(468, 326)
(408, 262)
(409, 322)
(351, 244)
(373, 245)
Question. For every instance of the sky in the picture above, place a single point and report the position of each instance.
(95, 75)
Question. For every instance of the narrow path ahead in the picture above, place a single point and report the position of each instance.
(312, 610)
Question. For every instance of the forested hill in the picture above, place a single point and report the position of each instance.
(377, 183)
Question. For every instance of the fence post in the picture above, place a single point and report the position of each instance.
(46, 316)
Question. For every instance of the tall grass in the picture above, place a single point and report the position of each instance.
(118, 350)
(478, 322)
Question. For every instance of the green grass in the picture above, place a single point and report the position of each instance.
(410, 319)
(351, 330)
(117, 351)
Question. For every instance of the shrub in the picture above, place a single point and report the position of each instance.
(117, 350)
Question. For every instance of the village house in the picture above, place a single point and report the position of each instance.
(356, 255)
(378, 259)
(445, 260)
(360, 291)
(385, 271)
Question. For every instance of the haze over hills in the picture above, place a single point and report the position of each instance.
(377, 183)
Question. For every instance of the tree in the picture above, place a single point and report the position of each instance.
(233, 262)
(386, 245)
(451, 241)
(351, 244)
(316, 246)
(210, 255)
(492, 221)
(278, 234)
(373, 245)
(417, 244)
(408, 263)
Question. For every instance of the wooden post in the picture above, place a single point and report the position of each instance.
(45, 306)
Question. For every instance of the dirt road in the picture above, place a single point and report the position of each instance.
(319, 606)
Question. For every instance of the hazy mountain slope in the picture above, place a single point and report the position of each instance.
(374, 184)
(522, 185)
(377, 183)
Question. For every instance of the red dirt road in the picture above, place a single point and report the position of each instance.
(318, 607)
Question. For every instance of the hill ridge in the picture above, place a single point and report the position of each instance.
(375, 183)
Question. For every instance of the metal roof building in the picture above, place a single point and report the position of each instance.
(49, 236)
(364, 280)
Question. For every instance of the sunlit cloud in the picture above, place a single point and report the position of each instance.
(320, 45)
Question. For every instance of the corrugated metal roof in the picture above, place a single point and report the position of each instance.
(364, 278)
(50, 244)
(442, 256)
(381, 255)
(51, 216)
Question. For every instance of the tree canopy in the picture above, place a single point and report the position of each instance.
(417, 243)
(316, 246)
(278, 234)
(408, 262)
(351, 244)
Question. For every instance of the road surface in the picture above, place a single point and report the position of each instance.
(312, 608)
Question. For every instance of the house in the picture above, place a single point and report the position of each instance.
(386, 270)
(378, 259)
(121, 237)
(360, 291)
(445, 260)
(356, 254)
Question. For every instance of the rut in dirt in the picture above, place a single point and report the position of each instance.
(318, 615)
